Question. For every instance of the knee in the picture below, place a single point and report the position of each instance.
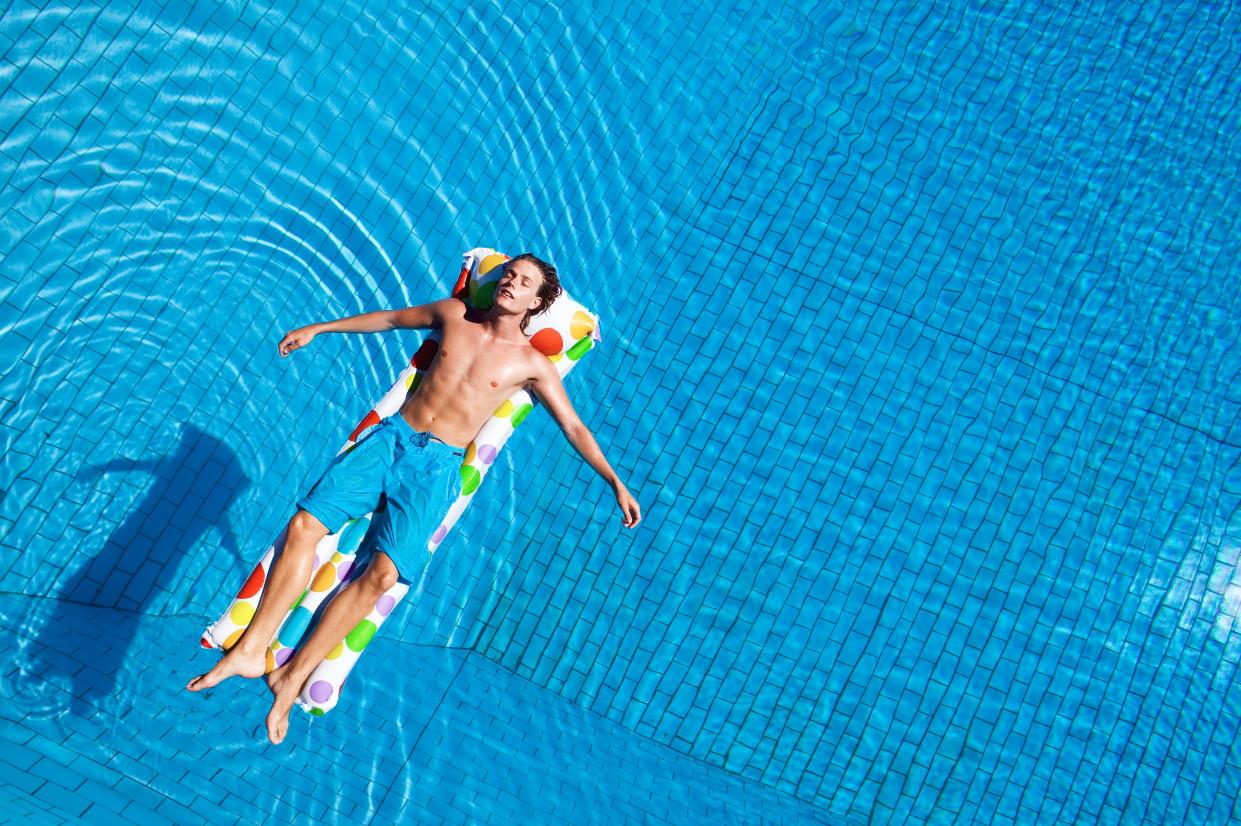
(305, 526)
(380, 575)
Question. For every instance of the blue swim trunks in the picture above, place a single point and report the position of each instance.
(419, 476)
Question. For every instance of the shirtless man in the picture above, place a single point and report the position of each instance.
(413, 457)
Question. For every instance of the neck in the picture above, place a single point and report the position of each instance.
(503, 325)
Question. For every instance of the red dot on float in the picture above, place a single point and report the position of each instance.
(371, 418)
(426, 354)
(253, 584)
(547, 341)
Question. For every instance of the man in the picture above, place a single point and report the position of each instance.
(412, 458)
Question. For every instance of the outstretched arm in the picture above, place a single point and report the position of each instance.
(550, 390)
(421, 317)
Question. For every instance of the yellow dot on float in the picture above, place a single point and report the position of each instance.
(555, 358)
(490, 263)
(581, 325)
(232, 638)
(242, 613)
(337, 651)
(409, 380)
(325, 579)
(504, 411)
(336, 557)
(471, 452)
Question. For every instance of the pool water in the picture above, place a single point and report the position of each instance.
(920, 351)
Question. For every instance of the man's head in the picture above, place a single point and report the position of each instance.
(529, 283)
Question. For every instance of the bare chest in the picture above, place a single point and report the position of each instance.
(468, 358)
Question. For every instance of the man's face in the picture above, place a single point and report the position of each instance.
(518, 288)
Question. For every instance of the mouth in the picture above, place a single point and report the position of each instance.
(505, 291)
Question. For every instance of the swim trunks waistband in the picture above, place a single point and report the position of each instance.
(423, 438)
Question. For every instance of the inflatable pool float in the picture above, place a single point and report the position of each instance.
(564, 333)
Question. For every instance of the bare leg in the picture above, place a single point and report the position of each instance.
(346, 610)
(289, 577)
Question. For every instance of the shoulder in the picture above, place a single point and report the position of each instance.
(432, 314)
(451, 308)
(449, 311)
(539, 365)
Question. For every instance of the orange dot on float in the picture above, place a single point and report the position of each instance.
(325, 579)
(271, 662)
(232, 638)
(471, 452)
(253, 584)
(547, 341)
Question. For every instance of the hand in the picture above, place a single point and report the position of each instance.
(630, 513)
(295, 339)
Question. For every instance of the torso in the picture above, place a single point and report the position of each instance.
(471, 375)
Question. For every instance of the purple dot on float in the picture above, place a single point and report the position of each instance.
(440, 533)
(486, 454)
(320, 691)
(282, 656)
(384, 606)
(345, 570)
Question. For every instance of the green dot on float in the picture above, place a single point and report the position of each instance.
(578, 350)
(470, 479)
(361, 635)
(521, 413)
(485, 296)
(318, 712)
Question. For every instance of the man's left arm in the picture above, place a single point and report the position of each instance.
(547, 386)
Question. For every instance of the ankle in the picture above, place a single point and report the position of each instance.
(291, 677)
(247, 649)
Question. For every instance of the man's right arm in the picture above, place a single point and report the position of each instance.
(423, 316)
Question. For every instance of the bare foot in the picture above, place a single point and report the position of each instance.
(235, 663)
(278, 717)
(277, 677)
